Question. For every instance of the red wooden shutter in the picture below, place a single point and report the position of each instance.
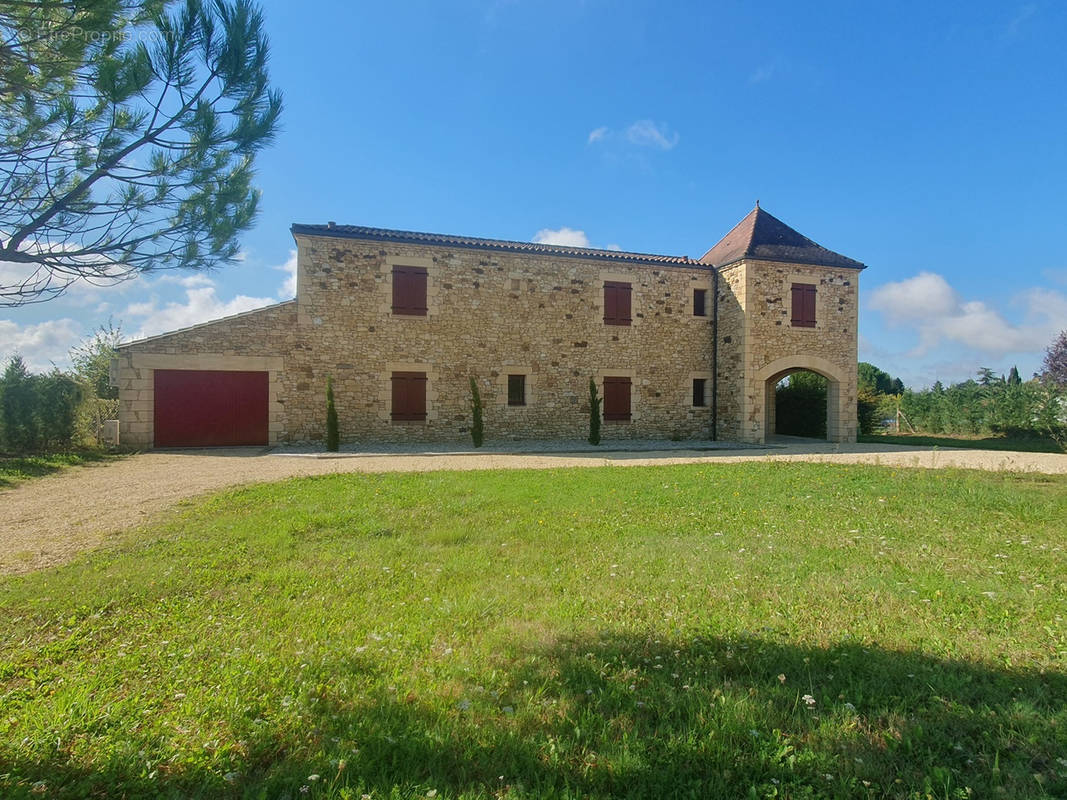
(617, 399)
(803, 298)
(409, 396)
(616, 303)
(409, 291)
(622, 311)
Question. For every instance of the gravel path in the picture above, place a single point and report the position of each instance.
(48, 520)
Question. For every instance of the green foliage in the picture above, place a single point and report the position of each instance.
(877, 381)
(990, 405)
(333, 433)
(58, 398)
(38, 412)
(647, 632)
(800, 406)
(594, 413)
(867, 407)
(18, 406)
(91, 361)
(477, 426)
(128, 135)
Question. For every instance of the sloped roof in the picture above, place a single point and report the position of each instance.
(765, 237)
(415, 237)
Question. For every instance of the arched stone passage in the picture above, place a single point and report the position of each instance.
(840, 414)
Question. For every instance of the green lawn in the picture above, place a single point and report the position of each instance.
(1028, 444)
(15, 469)
(760, 630)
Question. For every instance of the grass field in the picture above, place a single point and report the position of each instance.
(760, 630)
(15, 469)
(1028, 444)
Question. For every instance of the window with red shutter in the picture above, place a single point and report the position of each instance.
(616, 399)
(409, 291)
(409, 396)
(803, 298)
(616, 303)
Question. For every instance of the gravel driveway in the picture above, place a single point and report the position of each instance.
(48, 520)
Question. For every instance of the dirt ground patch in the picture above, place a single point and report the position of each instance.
(49, 520)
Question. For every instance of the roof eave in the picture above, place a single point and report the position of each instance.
(412, 237)
(807, 262)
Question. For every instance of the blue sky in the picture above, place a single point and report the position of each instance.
(928, 140)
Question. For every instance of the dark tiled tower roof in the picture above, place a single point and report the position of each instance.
(764, 237)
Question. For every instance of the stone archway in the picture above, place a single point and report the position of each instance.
(840, 414)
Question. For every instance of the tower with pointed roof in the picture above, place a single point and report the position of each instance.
(786, 304)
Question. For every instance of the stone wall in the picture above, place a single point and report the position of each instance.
(491, 314)
(773, 348)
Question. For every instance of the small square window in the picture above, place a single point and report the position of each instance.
(516, 390)
(700, 298)
(700, 396)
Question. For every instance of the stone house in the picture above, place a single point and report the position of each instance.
(401, 321)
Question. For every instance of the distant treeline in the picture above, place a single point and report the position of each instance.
(990, 404)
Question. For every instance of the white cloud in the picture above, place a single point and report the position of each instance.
(613, 246)
(1014, 27)
(929, 305)
(201, 304)
(41, 344)
(646, 133)
(925, 295)
(642, 133)
(287, 291)
(762, 73)
(568, 237)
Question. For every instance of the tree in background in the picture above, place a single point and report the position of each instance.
(877, 381)
(800, 405)
(37, 412)
(128, 134)
(91, 360)
(17, 406)
(1054, 367)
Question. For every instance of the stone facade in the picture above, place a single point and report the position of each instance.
(493, 312)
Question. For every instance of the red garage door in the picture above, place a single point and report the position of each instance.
(200, 408)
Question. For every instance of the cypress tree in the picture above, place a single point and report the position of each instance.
(333, 434)
(477, 426)
(594, 413)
